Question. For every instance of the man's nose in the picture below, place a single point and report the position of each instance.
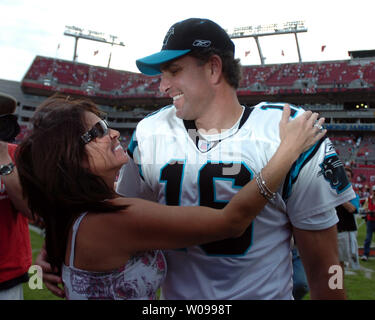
(164, 84)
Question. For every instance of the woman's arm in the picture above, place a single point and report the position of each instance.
(12, 183)
(147, 225)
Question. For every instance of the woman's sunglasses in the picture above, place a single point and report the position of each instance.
(100, 129)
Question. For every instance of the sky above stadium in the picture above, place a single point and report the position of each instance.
(31, 28)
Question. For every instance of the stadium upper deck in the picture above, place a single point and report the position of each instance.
(47, 74)
(304, 81)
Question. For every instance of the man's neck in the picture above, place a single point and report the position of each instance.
(220, 116)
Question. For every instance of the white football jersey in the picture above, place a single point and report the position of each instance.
(175, 165)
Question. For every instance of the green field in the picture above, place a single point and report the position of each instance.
(360, 285)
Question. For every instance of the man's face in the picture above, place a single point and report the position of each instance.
(187, 83)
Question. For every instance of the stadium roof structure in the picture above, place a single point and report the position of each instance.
(362, 54)
(255, 32)
(80, 33)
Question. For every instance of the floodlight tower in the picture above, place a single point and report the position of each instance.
(79, 33)
(270, 30)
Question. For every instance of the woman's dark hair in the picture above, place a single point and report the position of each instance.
(232, 69)
(55, 182)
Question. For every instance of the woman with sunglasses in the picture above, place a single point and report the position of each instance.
(107, 246)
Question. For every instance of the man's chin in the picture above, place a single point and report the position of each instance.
(182, 115)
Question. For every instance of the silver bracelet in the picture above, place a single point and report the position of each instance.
(263, 189)
(265, 186)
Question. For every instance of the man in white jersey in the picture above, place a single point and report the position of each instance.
(203, 148)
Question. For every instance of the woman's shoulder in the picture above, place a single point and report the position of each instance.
(115, 219)
(124, 201)
(130, 202)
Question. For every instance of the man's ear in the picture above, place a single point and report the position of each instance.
(216, 68)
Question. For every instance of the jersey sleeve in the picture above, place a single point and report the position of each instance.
(131, 182)
(315, 185)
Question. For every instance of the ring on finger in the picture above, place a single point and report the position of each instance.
(317, 125)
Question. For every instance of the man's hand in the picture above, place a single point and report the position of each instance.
(50, 279)
(350, 208)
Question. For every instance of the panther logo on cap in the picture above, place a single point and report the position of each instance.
(202, 43)
(168, 35)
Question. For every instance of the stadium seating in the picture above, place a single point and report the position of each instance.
(61, 75)
(369, 73)
(70, 77)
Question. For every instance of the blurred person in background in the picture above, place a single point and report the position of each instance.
(370, 224)
(347, 230)
(15, 247)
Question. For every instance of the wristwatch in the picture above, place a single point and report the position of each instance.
(6, 169)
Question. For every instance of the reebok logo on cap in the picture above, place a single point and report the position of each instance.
(202, 43)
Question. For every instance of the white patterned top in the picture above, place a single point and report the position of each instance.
(138, 279)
